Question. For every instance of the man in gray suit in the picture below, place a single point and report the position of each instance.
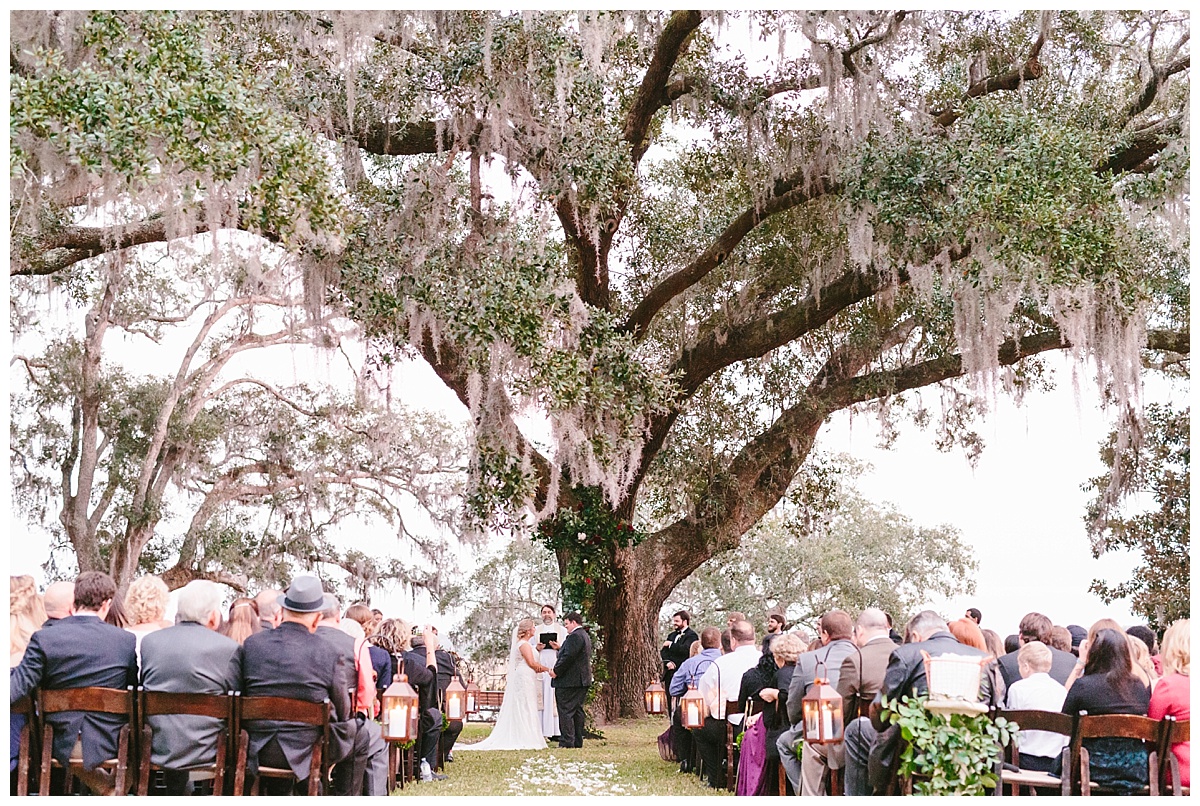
(1036, 627)
(834, 629)
(190, 658)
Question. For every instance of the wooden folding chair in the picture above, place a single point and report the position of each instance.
(95, 700)
(162, 703)
(1051, 722)
(28, 747)
(1173, 732)
(283, 709)
(1114, 726)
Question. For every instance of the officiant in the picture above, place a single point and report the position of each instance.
(547, 637)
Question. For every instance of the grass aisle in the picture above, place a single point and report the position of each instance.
(624, 762)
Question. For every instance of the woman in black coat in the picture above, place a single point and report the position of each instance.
(1108, 686)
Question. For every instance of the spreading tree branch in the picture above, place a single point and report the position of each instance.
(653, 95)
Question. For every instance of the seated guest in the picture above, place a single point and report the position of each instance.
(1143, 667)
(1078, 636)
(26, 614)
(1109, 686)
(1060, 639)
(1011, 644)
(292, 661)
(116, 615)
(349, 776)
(768, 684)
(1102, 624)
(807, 775)
(704, 652)
(81, 650)
(243, 620)
(190, 658)
(726, 642)
(994, 643)
(269, 611)
(967, 632)
(1036, 627)
(974, 615)
(1037, 691)
(1172, 695)
(861, 678)
(381, 660)
(871, 746)
(420, 664)
(447, 670)
(719, 685)
(58, 599)
(146, 607)
(1148, 638)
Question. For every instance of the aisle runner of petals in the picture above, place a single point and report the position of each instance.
(546, 775)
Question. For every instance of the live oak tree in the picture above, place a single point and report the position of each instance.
(684, 239)
(213, 470)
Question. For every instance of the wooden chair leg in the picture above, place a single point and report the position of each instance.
(47, 746)
(783, 781)
(239, 770)
(122, 787)
(143, 786)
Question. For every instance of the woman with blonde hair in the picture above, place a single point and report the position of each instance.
(145, 606)
(26, 614)
(243, 620)
(1172, 696)
(1143, 667)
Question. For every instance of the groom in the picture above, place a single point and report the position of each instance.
(572, 677)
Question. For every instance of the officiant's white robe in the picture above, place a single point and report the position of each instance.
(548, 713)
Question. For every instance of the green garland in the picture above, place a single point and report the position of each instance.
(586, 534)
(948, 755)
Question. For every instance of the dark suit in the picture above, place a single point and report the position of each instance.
(289, 661)
(80, 651)
(447, 671)
(370, 751)
(188, 658)
(677, 652)
(424, 679)
(862, 675)
(572, 678)
(1061, 664)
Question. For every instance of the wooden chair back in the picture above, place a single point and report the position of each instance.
(93, 699)
(284, 709)
(1114, 726)
(731, 752)
(28, 747)
(164, 703)
(1051, 722)
(1173, 732)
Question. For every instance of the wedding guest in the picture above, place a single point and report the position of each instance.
(1148, 637)
(1037, 691)
(26, 614)
(82, 650)
(967, 632)
(1060, 639)
(1037, 627)
(1109, 686)
(767, 684)
(381, 660)
(1102, 624)
(270, 614)
(243, 622)
(1172, 695)
(974, 615)
(995, 644)
(775, 624)
(116, 616)
(189, 658)
(806, 774)
(675, 648)
(860, 680)
(704, 652)
(1143, 667)
(58, 599)
(718, 685)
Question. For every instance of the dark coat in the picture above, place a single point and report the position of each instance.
(188, 658)
(1061, 665)
(422, 677)
(289, 661)
(79, 651)
(681, 645)
(573, 668)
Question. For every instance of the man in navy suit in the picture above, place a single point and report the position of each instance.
(572, 678)
(81, 651)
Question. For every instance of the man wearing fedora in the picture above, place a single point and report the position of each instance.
(293, 661)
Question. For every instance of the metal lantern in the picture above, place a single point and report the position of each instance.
(472, 697)
(456, 700)
(823, 719)
(401, 711)
(656, 698)
(693, 709)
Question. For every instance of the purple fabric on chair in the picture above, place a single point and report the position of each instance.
(753, 761)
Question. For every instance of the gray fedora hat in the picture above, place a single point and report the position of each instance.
(304, 595)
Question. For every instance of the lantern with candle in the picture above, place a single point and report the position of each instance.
(401, 711)
(822, 709)
(693, 708)
(472, 697)
(456, 700)
(655, 698)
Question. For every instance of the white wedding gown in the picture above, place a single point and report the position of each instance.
(517, 724)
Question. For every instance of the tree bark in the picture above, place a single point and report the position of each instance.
(627, 616)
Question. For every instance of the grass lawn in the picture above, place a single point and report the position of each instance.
(624, 762)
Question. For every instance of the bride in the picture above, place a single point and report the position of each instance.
(517, 725)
